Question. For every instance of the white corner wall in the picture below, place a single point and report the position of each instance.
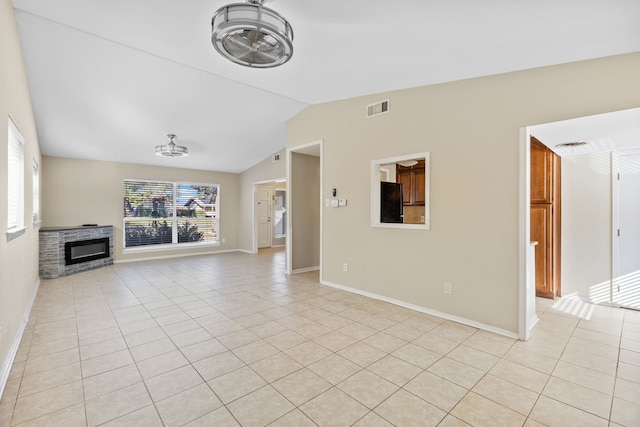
(586, 226)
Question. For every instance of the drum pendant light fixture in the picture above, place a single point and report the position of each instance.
(171, 149)
(252, 35)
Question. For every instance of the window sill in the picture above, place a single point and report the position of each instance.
(15, 233)
(400, 226)
(170, 247)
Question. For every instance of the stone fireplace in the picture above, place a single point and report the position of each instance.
(69, 250)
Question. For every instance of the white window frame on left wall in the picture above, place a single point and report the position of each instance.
(15, 182)
(36, 193)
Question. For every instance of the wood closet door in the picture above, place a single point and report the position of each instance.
(545, 218)
(541, 172)
(542, 232)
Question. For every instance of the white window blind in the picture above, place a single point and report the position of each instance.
(36, 192)
(166, 213)
(148, 212)
(15, 190)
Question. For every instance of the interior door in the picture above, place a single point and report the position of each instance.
(264, 217)
(626, 283)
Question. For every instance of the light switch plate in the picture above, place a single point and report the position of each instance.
(342, 202)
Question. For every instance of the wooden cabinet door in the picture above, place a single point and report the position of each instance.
(541, 172)
(418, 187)
(542, 232)
(404, 178)
(413, 185)
(545, 217)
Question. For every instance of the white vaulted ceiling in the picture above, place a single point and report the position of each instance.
(109, 79)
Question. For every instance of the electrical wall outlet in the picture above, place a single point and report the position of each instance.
(345, 267)
(224, 240)
(448, 288)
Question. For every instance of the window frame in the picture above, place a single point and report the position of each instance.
(174, 219)
(36, 193)
(15, 182)
(375, 191)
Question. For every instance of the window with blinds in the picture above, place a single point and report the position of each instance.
(15, 181)
(36, 192)
(169, 213)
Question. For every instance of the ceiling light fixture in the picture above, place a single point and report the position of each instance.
(408, 163)
(252, 35)
(572, 144)
(171, 149)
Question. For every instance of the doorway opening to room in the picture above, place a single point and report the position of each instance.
(304, 208)
(269, 214)
(600, 223)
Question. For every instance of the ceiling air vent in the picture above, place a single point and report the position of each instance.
(377, 108)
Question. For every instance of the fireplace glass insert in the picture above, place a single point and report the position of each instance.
(86, 250)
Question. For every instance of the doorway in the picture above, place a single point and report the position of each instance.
(267, 231)
(304, 208)
(264, 210)
(589, 229)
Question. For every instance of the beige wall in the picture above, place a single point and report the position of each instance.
(305, 211)
(266, 170)
(83, 191)
(586, 226)
(471, 128)
(19, 257)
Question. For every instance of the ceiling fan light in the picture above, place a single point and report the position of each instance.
(252, 35)
(171, 149)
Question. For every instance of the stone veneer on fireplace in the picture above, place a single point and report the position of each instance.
(52, 249)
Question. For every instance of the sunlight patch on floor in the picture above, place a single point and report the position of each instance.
(574, 306)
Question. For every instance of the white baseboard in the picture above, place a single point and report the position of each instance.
(122, 261)
(13, 351)
(305, 270)
(247, 251)
(420, 309)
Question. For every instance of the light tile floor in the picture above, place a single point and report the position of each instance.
(229, 340)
